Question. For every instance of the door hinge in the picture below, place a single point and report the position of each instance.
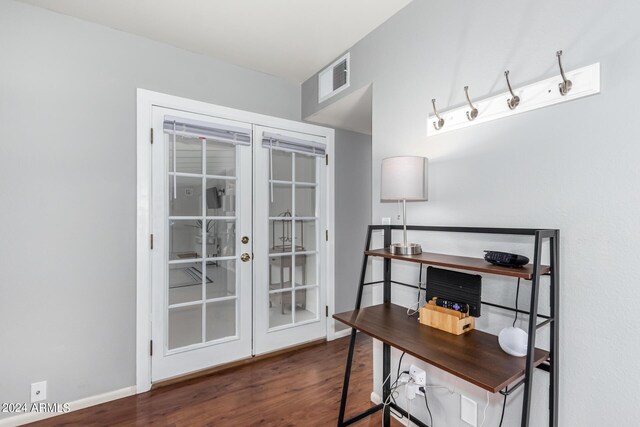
(151, 348)
(326, 235)
(151, 136)
(152, 241)
(326, 310)
(326, 159)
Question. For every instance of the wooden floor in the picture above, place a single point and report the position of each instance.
(301, 388)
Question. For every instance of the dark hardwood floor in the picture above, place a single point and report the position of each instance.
(301, 388)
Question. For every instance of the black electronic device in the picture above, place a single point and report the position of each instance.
(505, 259)
(452, 305)
(450, 285)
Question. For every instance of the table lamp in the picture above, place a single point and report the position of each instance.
(404, 178)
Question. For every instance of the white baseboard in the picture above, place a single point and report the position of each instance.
(76, 405)
(342, 333)
(375, 398)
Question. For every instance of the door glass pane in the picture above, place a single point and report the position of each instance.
(280, 272)
(188, 199)
(280, 235)
(306, 235)
(282, 165)
(185, 326)
(221, 319)
(221, 279)
(221, 159)
(305, 272)
(185, 239)
(221, 197)
(188, 154)
(185, 283)
(282, 200)
(306, 306)
(280, 309)
(305, 201)
(305, 168)
(221, 238)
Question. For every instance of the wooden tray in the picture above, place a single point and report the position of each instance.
(445, 319)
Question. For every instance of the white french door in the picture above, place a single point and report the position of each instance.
(239, 250)
(201, 220)
(290, 222)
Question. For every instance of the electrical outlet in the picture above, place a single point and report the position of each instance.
(468, 411)
(418, 375)
(38, 391)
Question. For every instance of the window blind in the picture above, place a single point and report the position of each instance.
(275, 141)
(211, 131)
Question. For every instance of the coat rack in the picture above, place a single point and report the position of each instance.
(568, 86)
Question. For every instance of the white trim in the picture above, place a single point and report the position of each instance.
(145, 101)
(586, 82)
(76, 405)
(341, 334)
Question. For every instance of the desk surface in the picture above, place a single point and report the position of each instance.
(475, 356)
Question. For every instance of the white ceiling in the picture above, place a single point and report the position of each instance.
(351, 112)
(287, 38)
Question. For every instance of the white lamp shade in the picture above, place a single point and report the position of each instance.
(404, 178)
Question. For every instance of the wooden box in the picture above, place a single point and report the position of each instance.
(445, 319)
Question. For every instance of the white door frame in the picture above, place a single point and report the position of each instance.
(145, 101)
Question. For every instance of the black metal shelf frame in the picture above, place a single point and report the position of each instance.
(551, 236)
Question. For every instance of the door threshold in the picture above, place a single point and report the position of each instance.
(235, 364)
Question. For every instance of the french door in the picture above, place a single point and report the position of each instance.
(237, 258)
(201, 288)
(289, 204)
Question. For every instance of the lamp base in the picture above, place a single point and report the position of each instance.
(409, 249)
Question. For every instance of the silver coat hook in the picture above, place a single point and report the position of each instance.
(565, 86)
(440, 123)
(471, 115)
(514, 101)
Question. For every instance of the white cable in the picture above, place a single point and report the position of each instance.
(484, 416)
(411, 311)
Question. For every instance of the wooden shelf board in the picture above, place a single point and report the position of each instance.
(461, 263)
(475, 356)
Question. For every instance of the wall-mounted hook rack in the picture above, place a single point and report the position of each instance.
(473, 113)
(439, 123)
(514, 101)
(566, 84)
(584, 81)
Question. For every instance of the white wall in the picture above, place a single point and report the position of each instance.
(353, 214)
(572, 166)
(68, 186)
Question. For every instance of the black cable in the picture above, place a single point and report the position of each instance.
(426, 402)
(517, 294)
(504, 404)
(397, 376)
(399, 363)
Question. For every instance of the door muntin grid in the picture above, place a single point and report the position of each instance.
(202, 289)
(294, 235)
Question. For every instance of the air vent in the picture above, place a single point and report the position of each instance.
(334, 78)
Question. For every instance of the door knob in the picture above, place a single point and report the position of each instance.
(245, 257)
(245, 240)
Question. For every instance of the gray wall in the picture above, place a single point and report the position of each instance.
(68, 186)
(573, 166)
(353, 213)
